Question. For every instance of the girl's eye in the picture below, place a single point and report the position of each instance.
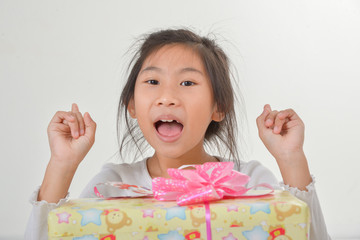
(187, 83)
(153, 82)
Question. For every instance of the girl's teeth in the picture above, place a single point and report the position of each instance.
(169, 121)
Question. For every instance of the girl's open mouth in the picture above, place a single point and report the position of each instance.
(168, 129)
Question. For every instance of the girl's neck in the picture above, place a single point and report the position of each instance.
(157, 165)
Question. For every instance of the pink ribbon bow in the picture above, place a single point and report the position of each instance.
(208, 182)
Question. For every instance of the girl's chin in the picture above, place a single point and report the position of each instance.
(169, 153)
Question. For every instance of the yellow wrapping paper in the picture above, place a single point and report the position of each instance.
(278, 217)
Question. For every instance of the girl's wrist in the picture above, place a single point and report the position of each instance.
(63, 165)
(291, 157)
(295, 170)
(56, 182)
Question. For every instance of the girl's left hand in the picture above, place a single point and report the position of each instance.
(283, 135)
(282, 132)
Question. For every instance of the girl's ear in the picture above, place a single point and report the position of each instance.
(131, 108)
(217, 116)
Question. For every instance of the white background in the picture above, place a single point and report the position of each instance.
(292, 54)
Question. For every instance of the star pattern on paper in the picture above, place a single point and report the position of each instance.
(86, 237)
(259, 206)
(302, 225)
(257, 233)
(232, 208)
(263, 223)
(148, 213)
(91, 215)
(175, 212)
(63, 217)
(172, 235)
(229, 237)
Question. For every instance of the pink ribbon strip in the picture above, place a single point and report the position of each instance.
(208, 221)
(97, 193)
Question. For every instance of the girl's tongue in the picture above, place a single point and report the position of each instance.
(169, 129)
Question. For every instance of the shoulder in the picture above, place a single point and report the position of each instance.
(131, 173)
(126, 171)
(123, 167)
(246, 167)
(257, 172)
(253, 167)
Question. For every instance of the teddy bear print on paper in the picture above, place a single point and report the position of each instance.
(284, 210)
(116, 219)
(197, 214)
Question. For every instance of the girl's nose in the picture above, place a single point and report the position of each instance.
(168, 98)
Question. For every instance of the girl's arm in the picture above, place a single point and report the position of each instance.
(282, 132)
(71, 136)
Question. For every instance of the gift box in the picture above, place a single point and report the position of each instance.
(277, 216)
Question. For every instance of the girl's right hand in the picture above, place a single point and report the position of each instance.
(71, 136)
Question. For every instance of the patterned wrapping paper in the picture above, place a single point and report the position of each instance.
(277, 217)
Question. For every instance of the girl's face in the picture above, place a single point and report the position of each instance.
(173, 101)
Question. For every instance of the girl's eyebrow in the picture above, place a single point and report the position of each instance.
(151, 68)
(183, 70)
(190, 69)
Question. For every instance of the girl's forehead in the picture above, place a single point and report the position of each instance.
(173, 53)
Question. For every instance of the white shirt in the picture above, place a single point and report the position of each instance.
(138, 174)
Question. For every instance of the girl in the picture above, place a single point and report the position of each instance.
(179, 94)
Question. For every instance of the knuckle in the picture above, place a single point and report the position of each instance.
(91, 140)
(261, 135)
(59, 113)
(273, 113)
(69, 114)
